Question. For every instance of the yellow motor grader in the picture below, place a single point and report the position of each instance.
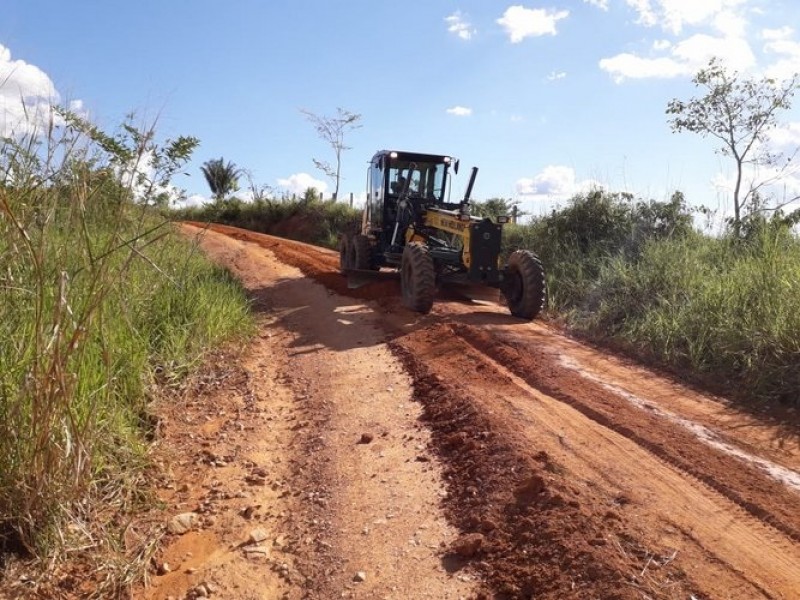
(409, 224)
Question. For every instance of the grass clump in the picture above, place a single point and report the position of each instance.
(100, 299)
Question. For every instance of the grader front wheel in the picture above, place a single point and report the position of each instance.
(524, 285)
(417, 278)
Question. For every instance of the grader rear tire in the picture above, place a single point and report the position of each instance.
(362, 251)
(345, 252)
(417, 277)
(524, 285)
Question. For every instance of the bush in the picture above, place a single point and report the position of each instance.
(577, 242)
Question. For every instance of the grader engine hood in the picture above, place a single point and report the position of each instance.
(481, 240)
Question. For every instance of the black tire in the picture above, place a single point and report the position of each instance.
(417, 277)
(362, 251)
(345, 243)
(524, 285)
(351, 252)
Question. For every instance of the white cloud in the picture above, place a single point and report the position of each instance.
(601, 4)
(630, 66)
(300, 182)
(781, 33)
(556, 75)
(786, 137)
(730, 23)
(660, 45)
(684, 58)
(647, 15)
(458, 25)
(520, 22)
(780, 43)
(77, 107)
(674, 15)
(553, 182)
(192, 200)
(459, 111)
(26, 96)
(696, 51)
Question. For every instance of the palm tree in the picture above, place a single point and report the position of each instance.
(221, 178)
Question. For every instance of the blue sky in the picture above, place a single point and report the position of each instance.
(545, 97)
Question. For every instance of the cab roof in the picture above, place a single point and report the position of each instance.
(415, 156)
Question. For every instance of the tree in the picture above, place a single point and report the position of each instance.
(260, 192)
(332, 130)
(740, 113)
(496, 207)
(222, 179)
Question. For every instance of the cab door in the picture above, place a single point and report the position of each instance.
(376, 194)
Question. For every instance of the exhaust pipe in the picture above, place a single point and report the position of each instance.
(472, 177)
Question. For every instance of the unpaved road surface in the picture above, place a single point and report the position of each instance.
(363, 451)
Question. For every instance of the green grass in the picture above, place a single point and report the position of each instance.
(710, 307)
(101, 300)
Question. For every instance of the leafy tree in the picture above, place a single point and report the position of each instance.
(331, 130)
(223, 179)
(496, 207)
(739, 112)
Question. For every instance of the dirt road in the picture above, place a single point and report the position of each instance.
(364, 451)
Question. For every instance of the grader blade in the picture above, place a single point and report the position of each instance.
(357, 278)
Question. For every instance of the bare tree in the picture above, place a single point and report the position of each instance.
(259, 191)
(740, 113)
(332, 130)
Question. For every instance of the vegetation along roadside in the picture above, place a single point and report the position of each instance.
(101, 303)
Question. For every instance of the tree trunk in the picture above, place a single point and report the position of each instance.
(737, 216)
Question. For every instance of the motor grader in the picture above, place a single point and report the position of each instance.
(409, 224)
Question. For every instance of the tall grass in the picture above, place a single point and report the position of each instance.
(724, 310)
(100, 298)
(713, 307)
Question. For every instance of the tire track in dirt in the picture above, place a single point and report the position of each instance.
(746, 486)
(614, 481)
(531, 536)
(356, 507)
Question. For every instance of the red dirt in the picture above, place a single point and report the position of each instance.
(566, 473)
